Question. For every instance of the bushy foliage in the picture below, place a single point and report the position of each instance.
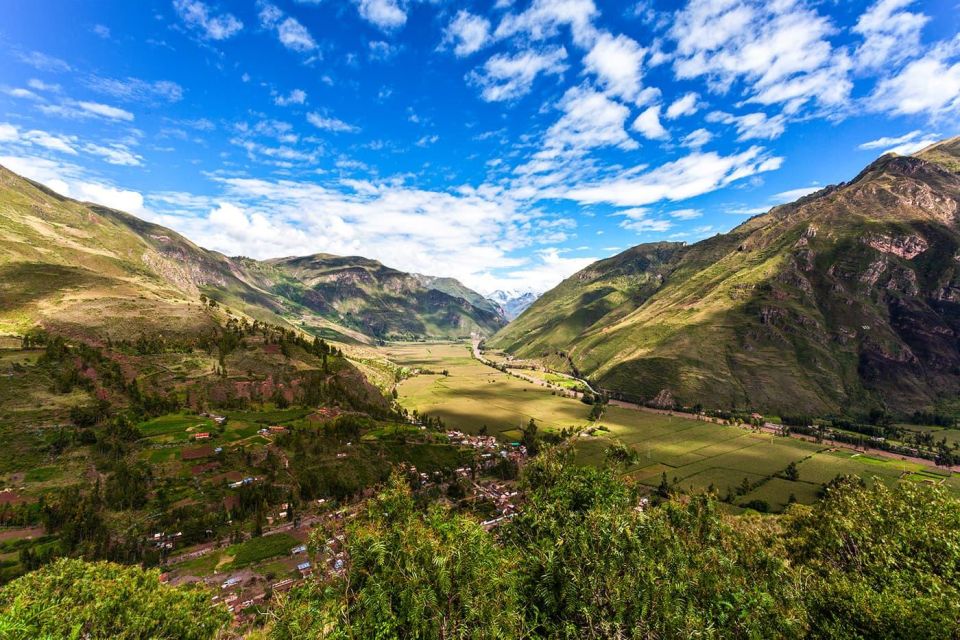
(411, 575)
(587, 558)
(886, 562)
(76, 599)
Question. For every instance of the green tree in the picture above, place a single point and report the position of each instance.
(77, 599)
(885, 563)
(410, 575)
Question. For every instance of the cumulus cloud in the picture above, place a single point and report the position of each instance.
(507, 77)
(74, 182)
(210, 25)
(296, 96)
(386, 14)
(686, 105)
(468, 33)
(648, 124)
(929, 86)
(890, 34)
(543, 19)
(780, 50)
(697, 138)
(617, 62)
(291, 33)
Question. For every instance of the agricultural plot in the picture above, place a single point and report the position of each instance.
(474, 395)
(695, 454)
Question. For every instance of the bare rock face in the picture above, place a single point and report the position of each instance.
(907, 247)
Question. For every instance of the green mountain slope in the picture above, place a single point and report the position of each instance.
(76, 267)
(376, 300)
(847, 298)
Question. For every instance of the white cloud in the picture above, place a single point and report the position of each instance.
(638, 219)
(648, 124)
(902, 145)
(328, 123)
(779, 49)
(74, 182)
(292, 34)
(135, 89)
(929, 85)
(692, 175)
(752, 126)
(101, 31)
(794, 194)
(198, 16)
(44, 62)
(468, 33)
(49, 141)
(544, 17)
(686, 105)
(23, 94)
(40, 85)
(296, 96)
(381, 50)
(697, 138)
(386, 14)
(890, 34)
(105, 111)
(685, 214)
(617, 62)
(116, 154)
(590, 119)
(504, 77)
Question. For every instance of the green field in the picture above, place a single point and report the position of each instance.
(695, 454)
(474, 395)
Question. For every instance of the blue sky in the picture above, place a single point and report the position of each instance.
(505, 143)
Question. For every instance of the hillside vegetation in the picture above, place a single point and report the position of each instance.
(847, 298)
(85, 269)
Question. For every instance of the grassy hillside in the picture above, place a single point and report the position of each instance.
(84, 269)
(847, 298)
(366, 296)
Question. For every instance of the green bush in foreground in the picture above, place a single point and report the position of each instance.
(78, 599)
(582, 561)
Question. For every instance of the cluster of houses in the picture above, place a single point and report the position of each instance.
(164, 541)
(272, 430)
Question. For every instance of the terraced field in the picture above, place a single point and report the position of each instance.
(695, 455)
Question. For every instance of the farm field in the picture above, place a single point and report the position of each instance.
(695, 455)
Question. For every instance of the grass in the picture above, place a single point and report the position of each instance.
(474, 395)
(175, 426)
(697, 454)
(259, 549)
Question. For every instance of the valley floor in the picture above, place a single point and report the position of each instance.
(745, 465)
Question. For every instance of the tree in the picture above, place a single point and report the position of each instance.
(77, 599)
(883, 562)
(410, 575)
(791, 472)
(530, 438)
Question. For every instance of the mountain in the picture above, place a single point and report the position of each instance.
(365, 295)
(848, 298)
(512, 303)
(79, 267)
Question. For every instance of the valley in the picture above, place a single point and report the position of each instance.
(743, 464)
(250, 431)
